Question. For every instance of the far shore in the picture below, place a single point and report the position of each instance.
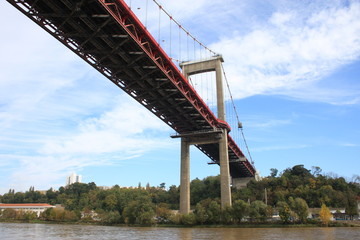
(355, 223)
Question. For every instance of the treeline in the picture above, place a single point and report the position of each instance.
(290, 194)
(310, 185)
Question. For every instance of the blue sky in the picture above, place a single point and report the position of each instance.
(293, 68)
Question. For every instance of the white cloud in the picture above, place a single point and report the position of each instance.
(53, 119)
(276, 148)
(122, 129)
(288, 56)
(58, 115)
(269, 123)
(122, 133)
(349, 145)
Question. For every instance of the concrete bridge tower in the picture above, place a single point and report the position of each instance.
(212, 136)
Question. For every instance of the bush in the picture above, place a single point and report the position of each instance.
(188, 219)
(139, 212)
(240, 209)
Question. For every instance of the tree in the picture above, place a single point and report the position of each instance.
(299, 170)
(8, 213)
(163, 213)
(325, 215)
(188, 219)
(240, 209)
(214, 212)
(258, 210)
(351, 206)
(173, 197)
(111, 217)
(30, 215)
(226, 215)
(355, 179)
(284, 212)
(139, 211)
(316, 170)
(209, 187)
(201, 213)
(301, 208)
(61, 215)
(110, 202)
(273, 172)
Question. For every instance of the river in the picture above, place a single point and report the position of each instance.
(22, 231)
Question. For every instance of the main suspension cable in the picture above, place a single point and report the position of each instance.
(236, 114)
(180, 26)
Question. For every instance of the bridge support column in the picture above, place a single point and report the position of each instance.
(223, 144)
(208, 65)
(224, 171)
(185, 177)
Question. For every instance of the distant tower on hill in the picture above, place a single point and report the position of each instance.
(73, 178)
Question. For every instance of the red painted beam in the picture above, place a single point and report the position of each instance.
(119, 10)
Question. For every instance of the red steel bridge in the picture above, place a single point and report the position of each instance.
(107, 35)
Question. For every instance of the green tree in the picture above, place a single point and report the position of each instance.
(273, 172)
(351, 206)
(240, 209)
(139, 211)
(30, 215)
(214, 212)
(69, 216)
(163, 213)
(111, 217)
(110, 202)
(226, 215)
(59, 215)
(8, 213)
(301, 208)
(316, 171)
(51, 196)
(173, 197)
(284, 211)
(201, 214)
(258, 211)
(209, 187)
(188, 219)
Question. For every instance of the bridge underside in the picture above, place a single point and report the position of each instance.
(107, 35)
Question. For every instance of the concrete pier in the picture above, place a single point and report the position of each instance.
(185, 177)
(196, 67)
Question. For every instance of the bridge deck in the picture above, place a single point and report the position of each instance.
(107, 35)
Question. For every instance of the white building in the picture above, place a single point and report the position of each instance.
(73, 178)
(27, 207)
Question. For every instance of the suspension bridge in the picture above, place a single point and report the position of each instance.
(109, 36)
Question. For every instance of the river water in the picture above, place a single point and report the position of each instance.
(20, 231)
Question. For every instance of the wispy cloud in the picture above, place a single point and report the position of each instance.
(349, 145)
(287, 48)
(58, 115)
(291, 51)
(122, 129)
(276, 148)
(269, 123)
(117, 135)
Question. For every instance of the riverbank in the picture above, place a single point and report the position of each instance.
(241, 225)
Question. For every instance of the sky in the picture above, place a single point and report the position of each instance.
(293, 68)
